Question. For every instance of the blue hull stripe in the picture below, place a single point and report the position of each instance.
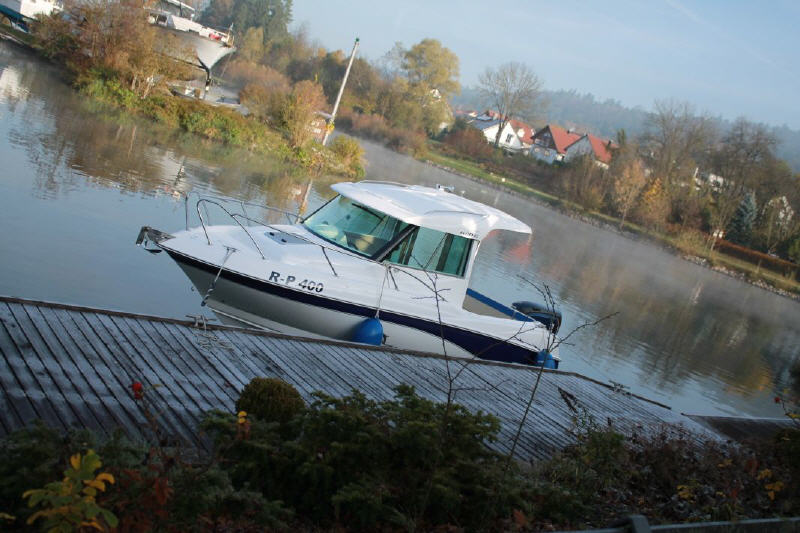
(497, 306)
(480, 345)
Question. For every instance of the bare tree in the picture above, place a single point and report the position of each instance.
(676, 141)
(513, 89)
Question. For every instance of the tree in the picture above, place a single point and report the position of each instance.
(744, 160)
(391, 63)
(628, 178)
(429, 66)
(468, 141)
(513, 89)
(776, 224)
(676, 141)
(653, 208)
(583, 182)
(740, 229)
(298, 110)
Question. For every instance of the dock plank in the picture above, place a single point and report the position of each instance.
(46, 398)
(81, 369)
(73, 366)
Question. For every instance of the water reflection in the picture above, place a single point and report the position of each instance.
(79, 181)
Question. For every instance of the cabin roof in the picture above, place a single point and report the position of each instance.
(431, 208)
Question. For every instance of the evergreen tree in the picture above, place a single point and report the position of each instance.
(740, 228)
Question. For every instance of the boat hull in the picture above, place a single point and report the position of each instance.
(257, 302)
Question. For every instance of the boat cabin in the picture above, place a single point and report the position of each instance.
(416, 227)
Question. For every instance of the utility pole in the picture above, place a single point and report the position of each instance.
(329, 129)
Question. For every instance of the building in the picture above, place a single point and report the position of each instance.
(553, 143)
(515, 137)
(550, 143)
(599, 149)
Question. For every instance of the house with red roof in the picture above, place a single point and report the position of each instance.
(599, 149)
(553, 143)
(550, 143)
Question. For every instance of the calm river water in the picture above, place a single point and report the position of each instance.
(77, 183)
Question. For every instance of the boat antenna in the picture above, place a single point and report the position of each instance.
(329, 129)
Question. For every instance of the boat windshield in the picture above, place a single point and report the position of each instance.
(367, 232)
(354, 226)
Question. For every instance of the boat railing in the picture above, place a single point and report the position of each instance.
(203, 223)
(291, 217)
(239, 217)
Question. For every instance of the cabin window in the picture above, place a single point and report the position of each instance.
(428, 249)
(509, 137)
(353, 226)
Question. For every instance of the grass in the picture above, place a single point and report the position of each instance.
(475, 170)
(749, 270)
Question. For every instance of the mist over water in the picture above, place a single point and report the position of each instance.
(78, 181)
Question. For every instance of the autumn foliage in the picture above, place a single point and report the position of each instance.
(352, 463)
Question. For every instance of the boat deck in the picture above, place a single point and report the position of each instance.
(72, 366)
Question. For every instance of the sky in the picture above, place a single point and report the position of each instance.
(729, 58)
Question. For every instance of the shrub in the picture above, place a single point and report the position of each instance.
(349, 153)
(470, 142)
(376, 465)
(71, 504)
(299, 109)
(263, 102)
(376, 127)
(270, 400)
(246, 73)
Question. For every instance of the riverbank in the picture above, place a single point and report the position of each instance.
(697, 253)
(213, 123)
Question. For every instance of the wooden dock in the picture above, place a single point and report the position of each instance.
(73, 366)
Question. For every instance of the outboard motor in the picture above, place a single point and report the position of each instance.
(551, 318)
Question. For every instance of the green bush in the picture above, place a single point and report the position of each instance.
(401, 463)
(349, 153)
(270, 400)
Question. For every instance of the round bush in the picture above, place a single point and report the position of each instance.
(270, 400)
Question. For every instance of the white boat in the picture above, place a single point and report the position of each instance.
(381, 263)
(208, 45)
(22, 12)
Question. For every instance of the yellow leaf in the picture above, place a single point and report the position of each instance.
(242, 414)
(94, 523)
(776, 486)
(764, 474)
(771, 495)
(34, 517)
(6, 516)
(105, 476)
(99, 485)
(75, 461)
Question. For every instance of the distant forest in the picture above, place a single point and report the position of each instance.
(584, 112)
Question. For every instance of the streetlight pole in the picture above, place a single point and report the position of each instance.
(329, 129)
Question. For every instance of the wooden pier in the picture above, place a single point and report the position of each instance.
(73, 366)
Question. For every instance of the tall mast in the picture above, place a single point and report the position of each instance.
(339, 96)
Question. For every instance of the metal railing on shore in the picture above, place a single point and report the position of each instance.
(639, 524)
